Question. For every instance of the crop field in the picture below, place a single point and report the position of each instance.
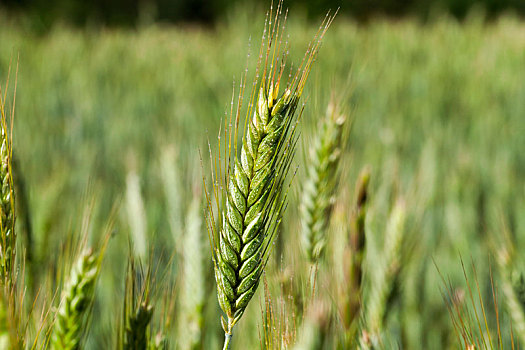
(393, 207)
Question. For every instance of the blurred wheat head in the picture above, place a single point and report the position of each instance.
(321, 183)
(7, 195)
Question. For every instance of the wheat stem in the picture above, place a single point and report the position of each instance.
(228, 335)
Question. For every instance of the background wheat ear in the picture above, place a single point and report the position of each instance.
(75, 308)
(511, 271)
(7, 197)
(11, 335)
(319, 187)
(193, 288)
(382, 279)
(350, 291)
(138, 310)
(249, 191)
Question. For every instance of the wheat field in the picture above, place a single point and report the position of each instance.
(418, 231)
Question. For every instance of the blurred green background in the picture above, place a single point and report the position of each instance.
(438, 110)
(133, 12)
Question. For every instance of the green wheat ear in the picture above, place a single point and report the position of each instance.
(248, 192)
(320, 185)
(350, 298)
(374, 307)
(138, 310)
(7, 200)
(75, 308)
(10, 312)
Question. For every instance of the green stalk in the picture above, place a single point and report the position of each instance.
(228, 335)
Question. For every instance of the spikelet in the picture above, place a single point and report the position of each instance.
(320, 185)
(75, 308)
(248, 192)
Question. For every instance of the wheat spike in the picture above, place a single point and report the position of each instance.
(354, 254)
(136, 337)
(79, 294)
(9, 320)
(320, 185)
(249, 194)
(7, 204)
(138, 310)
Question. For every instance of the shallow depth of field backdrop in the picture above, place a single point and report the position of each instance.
(115, 119)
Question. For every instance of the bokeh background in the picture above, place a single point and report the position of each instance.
(132, 12)
(116, 101)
